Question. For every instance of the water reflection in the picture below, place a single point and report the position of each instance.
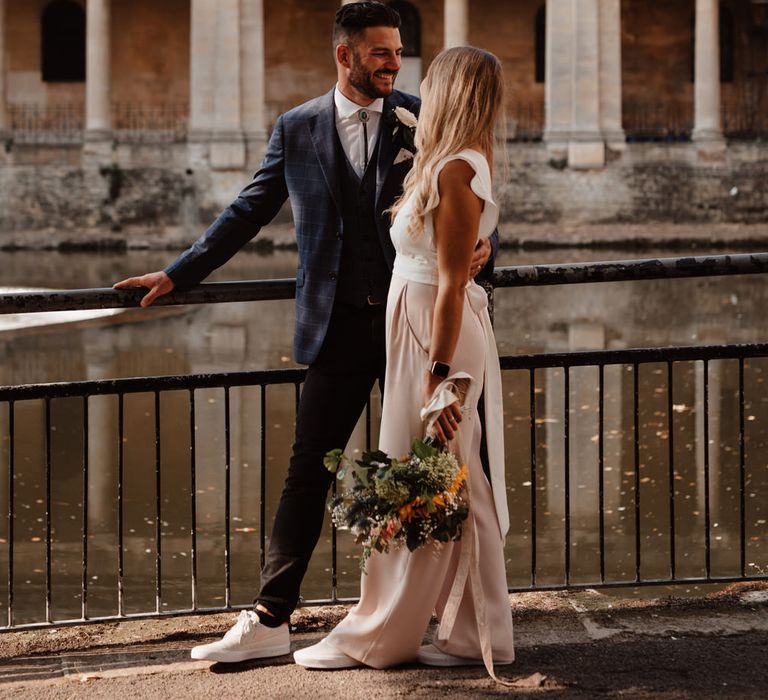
(232, 337)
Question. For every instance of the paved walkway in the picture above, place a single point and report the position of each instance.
(569, 645)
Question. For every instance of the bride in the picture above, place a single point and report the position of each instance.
(438, 325)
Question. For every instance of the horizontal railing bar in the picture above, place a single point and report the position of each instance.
(186, 612)
(515, 276)
(631, 270)
(101, 387)
(632, 355)
(25, 392)
(134, 385)
(108, 298)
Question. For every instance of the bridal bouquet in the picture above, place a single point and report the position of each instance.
(414, 499)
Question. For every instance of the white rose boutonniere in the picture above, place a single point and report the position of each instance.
(408, 120)
(406, 117)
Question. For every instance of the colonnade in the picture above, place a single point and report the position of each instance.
(227, 76)
(583, 79)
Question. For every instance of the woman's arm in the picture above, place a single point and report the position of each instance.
(456, 223)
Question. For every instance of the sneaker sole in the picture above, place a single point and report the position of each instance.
(235, 656)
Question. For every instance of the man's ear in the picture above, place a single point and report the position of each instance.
(344, 55)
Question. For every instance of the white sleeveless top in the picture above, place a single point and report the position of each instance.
(417, 257)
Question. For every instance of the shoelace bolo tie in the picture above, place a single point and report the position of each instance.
(364, 116)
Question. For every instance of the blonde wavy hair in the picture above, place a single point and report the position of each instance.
(463, 98)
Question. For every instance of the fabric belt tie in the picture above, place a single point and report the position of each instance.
(454, 389)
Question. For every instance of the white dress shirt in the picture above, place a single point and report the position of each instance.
(350, 128)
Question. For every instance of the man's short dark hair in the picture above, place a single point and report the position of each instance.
(353, 19)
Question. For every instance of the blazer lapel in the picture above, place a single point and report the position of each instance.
(322, 129)
(386, 142)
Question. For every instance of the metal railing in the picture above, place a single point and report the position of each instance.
(47, 124)
(64, 123)
(529, 369)
(744, 116)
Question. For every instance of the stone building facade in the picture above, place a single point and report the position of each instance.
(125, 115)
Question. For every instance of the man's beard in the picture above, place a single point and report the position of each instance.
(362, 80)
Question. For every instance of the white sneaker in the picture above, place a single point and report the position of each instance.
(248, 639)
(430, 655)
(324, 655)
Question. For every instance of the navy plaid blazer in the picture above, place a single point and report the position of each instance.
(301, 164)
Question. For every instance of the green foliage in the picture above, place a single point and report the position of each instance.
(418, 499)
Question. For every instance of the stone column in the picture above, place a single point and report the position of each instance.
(456, 23)
(586, 149)
(201, 75)
(227, 145)
(98, 123)
(253, 79)
(3, 118)
(707, 127)
(610, 74)
(558, 87)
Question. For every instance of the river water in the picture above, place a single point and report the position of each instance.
(235, 337)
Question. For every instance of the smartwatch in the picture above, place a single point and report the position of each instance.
(440, 369)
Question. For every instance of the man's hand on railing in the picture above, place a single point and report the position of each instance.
(158, 284)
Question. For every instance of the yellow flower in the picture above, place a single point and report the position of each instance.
(439, 500)
(461, 477)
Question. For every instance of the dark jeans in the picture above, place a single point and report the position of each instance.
(335, 393)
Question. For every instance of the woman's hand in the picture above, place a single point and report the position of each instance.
(447, 423)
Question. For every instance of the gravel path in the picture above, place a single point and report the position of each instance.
(569, 645)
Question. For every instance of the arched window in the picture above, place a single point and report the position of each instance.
(540, 41)
(63, 42)
(410, 30)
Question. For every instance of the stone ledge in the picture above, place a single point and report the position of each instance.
(527, 236)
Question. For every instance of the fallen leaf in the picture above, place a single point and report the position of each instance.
(535, 680)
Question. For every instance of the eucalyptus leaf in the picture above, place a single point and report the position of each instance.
(332, 460)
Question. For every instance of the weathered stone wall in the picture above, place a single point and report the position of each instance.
(650, 183)
(137, 202)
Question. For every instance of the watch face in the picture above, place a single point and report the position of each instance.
(440, 369)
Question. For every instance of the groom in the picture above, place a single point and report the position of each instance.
(341, 159)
